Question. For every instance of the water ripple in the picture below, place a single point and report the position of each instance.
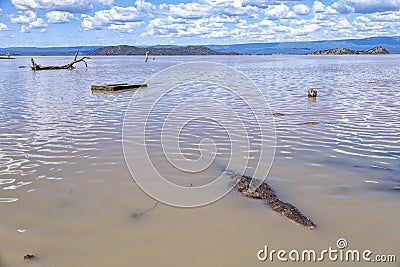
(53, 128)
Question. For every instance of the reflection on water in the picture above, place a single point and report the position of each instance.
(64, 181)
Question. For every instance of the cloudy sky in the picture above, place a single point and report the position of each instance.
(149, 22)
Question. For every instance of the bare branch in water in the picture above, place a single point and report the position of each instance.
(138, 214)
(69, 66)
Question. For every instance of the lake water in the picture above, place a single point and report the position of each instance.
(67, 196)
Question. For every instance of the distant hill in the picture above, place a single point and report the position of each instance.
(157, 51)
(392, 44)
(344, 51)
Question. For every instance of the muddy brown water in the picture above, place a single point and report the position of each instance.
(66, 194)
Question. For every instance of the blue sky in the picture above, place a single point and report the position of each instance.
(144, 22)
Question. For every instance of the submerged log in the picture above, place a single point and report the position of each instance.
(117, 86)
(69, 66)
(265, 192)
(311, 123)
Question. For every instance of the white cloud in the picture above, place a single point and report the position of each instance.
(30, 19)
(342, 8)
(217, 34)
(343, 23)
(386, 16)
(124, 27)
(213, 27)
(323, 13)
(373, 26)
(186, 10)
(3, 27)
(25, 29)
(366, 6)
(59, 17)
(266, 22)
(276, 11)
(213, 7)
(72, 6)
(257, 3)
(222, 19)
(268, 29)
(144, 6)
(318, 7)
(301, 9)
(23, 17)
(116, 18)
(221, 4)
(166, 26)
(38, 23)
(340, 27)
(305, 30)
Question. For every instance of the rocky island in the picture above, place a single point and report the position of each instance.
(125, 50)
(377, 50)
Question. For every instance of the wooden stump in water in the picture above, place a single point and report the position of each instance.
(312, 92)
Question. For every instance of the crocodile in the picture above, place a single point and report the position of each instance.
(265, 192)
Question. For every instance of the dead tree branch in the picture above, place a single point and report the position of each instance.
(69, 66)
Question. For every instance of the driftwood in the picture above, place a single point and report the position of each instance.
(266, 193)
(117, 86)
(69, 66)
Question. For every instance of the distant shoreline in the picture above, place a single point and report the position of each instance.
(392, 44)
(239, 55)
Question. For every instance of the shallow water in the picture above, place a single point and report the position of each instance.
(67, 195)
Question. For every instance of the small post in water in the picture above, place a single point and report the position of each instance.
(312, 92)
